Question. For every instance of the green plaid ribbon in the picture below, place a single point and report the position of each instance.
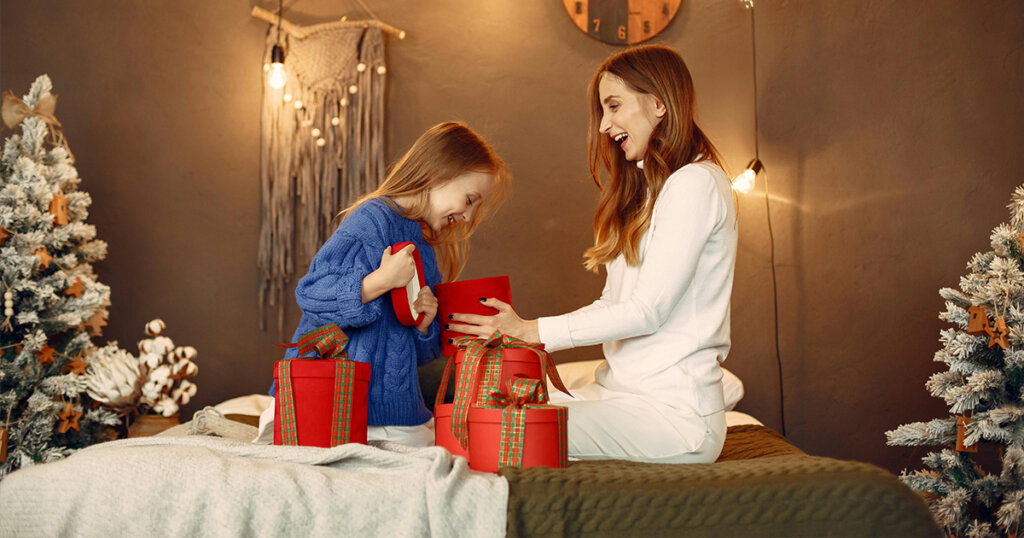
(524, 393)
(329, 343)
(486, 354)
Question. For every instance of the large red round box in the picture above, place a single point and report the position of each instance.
(463, 297)
(313, 387)
(443, 435)
(540, 443)
(514, 362)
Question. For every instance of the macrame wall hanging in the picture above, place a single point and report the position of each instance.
(322, 141)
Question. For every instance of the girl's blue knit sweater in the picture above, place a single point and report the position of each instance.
(332, 292)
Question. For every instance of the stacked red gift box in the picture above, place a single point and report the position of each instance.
(500, 415)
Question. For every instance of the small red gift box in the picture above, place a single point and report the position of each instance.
(517, 430)
(321, 402)
(463, 297)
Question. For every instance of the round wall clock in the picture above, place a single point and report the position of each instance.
(622, 22)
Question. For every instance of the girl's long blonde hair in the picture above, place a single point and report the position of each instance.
(627, 200)
(446, 151)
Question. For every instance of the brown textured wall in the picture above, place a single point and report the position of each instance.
(890, 130)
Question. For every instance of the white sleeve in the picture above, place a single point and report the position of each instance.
(554, 331)
(687, 212)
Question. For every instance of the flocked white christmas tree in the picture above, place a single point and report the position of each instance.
(984, 388)
(53, 302)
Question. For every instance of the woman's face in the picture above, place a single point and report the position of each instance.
(457, 199)
(628, 116)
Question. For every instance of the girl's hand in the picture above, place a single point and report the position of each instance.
(427, 304)
(506, 321)
(395, 271)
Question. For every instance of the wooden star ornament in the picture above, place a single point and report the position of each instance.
(96, 322)
(44, 257)
(75, 289)
(45, 355)
(68, 418)
(59, 209)
(999, 334)
(4, 236)
(77, 365)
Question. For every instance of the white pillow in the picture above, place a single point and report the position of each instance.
(579, 373)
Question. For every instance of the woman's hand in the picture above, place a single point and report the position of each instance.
(426, 303)
(506, 321)
(395, 271)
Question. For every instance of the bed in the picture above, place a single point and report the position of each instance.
(205, 478)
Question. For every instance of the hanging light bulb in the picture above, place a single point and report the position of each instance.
(744, 182)
(276, 75)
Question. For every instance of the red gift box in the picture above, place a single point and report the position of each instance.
(463, 297)
(518, 430)
(486, 364)
(443, 435)
(321, 402)
(522, 362)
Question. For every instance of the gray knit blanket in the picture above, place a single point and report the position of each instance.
(214, 485)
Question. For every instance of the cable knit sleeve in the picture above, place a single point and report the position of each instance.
(332, 290)
(428, 346)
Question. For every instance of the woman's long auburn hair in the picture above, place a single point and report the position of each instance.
(446, 151)
(627, 199)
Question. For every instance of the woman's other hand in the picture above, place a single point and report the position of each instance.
(506, 321)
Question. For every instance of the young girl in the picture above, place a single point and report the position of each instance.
(434, 197)
(665, 230)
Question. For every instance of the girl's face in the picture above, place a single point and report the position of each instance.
(457, 199)
(628, 117)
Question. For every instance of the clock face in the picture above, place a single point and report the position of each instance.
(622, 22)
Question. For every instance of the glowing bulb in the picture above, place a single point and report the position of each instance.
(744, 182)
(298, 103)
(315, 132)
(276, 75)
(287, 97)
(320, 142)
(353, 89)
(361, 67)
(344, 101)
(335, 121)
(381, 70)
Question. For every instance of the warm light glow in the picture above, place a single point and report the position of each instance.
(744, 182)
(277, 76)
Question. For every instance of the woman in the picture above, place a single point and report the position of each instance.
(665, 230)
